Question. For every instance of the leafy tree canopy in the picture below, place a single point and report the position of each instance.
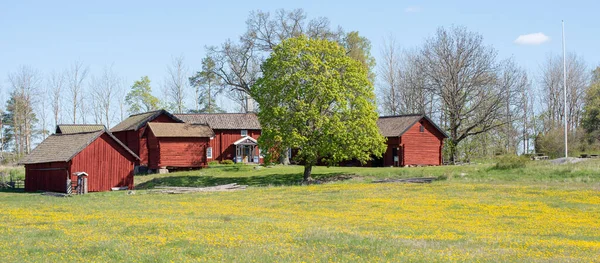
(140, 98)
(591, 113)
(315, 98)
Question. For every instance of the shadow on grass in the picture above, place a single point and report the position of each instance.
(202, 181)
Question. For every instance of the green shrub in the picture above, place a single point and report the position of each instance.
(510, 162)
(227, 162)
(213, 163)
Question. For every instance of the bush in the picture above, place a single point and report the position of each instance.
(227, 162)
(213, 163)
(511, 162)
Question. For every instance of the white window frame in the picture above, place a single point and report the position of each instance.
(209, 150)
(244, 132)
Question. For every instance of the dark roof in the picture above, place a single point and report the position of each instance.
(164, 129)
(223, 121)
(78, 128)
(393, 126)
(136, 121)
(63, 147)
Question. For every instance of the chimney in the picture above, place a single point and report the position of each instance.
(249, 104)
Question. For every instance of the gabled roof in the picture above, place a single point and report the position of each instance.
(78, 128)
(246, 140)
(223, 121)
(164, 129)
(136, 121)
(63, 147)
(393, 126)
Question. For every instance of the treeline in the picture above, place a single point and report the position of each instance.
(487, 104)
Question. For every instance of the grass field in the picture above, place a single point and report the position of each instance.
(540, 213)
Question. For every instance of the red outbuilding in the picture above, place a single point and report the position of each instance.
(411, 140)
(131, 131)
(103, 157)
(178, 145)
(235, 135)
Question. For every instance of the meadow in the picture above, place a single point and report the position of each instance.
(474, 213)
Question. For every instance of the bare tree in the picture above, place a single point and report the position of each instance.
(177, 83)
(25, 84)
(389, 75)
(57, 85)
(513, 82)
(238, 64)
(462, 72)
(103, 94)
(75, 77)
(551, 83)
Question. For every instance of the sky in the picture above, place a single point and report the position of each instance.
(140, 38)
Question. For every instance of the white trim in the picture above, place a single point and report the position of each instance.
(244, 138)
(209, 153)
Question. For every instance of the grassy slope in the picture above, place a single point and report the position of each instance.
(527, 214)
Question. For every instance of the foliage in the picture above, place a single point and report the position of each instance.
(511, 162)
(552, 143)
(227, 162)
(140, 98)
(359, 48)
(213, 163)
(316, 99)
(591, 110)
(208, 85)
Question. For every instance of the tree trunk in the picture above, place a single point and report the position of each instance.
(284, 157)
(307, 173)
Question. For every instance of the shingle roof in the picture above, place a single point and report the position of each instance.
(78, 128)
(162, 129)
(223, 121)
(136, 121)
(392, 126)
(63, 147)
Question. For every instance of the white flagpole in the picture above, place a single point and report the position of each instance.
(565, 86)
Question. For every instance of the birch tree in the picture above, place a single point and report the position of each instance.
(76, 76)
(177, 83)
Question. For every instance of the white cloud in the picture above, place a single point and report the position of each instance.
(532, 39)
(412, 9)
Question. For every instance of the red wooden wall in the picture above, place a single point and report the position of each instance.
(388, 157)
(46, 177)
(136, 140)
(422, 148)
(177, 152)
(222, 143)
(106, 162)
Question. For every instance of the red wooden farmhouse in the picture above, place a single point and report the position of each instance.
(98, 153)
(235, 135)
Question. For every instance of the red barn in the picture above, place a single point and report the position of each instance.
(131, 131)
(178, 145)
(103, 157)
(235, 135)
(411, 140)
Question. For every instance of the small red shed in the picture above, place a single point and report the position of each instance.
(131, 131)
(103, 157)
(411, 140)
(178, 145)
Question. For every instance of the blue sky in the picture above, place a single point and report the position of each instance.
(139, 37)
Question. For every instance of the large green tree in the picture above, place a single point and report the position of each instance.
(313, 97)
(591, 111)
(140, 98)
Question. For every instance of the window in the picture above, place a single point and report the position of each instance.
(209, 153)
(244, 132)
(422, 129)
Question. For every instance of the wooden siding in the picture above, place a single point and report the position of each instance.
(107, 164)
(421, 148)
(177, 152)
(46, 177)
(222, 143)
(388, 156)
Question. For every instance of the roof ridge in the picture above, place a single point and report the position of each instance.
(137, 114)
(74, 124)
(403, 115)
